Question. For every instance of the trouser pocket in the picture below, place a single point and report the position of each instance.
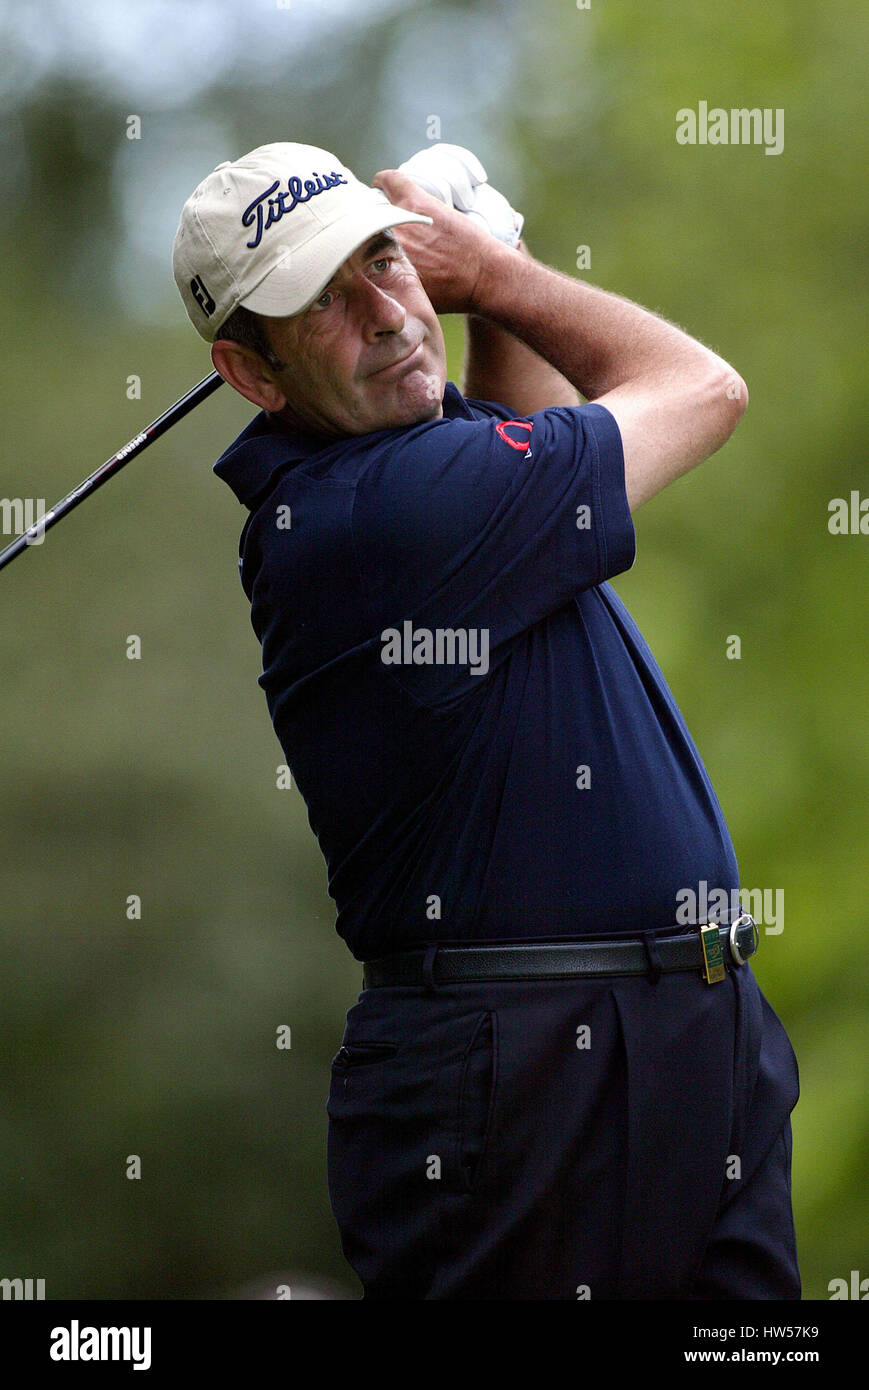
(410, 1122)
(357, 1054)
(476, 1100)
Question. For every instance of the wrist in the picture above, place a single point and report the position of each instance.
(497, 271)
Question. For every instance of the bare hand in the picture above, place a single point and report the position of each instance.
(451, 255)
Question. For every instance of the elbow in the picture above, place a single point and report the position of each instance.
(736, 393)
(727, 402)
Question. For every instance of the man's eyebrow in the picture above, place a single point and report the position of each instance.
(384, 241)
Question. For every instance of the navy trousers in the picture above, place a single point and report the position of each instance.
(571, 1139)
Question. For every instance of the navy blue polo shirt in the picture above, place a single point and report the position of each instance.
(484, 742)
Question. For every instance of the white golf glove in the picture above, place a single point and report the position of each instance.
(457, 178)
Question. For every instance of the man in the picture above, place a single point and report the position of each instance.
(548, 1088)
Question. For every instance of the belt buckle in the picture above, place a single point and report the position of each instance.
(738, 957)
(713, 955)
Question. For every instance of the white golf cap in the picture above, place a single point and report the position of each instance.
(269, 231)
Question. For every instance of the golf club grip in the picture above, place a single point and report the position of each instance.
(176, 412)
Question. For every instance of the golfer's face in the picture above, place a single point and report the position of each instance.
(369, 353)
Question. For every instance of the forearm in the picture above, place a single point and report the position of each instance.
(500, 367)
(598, 341)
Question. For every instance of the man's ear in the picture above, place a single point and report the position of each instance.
(248, 374)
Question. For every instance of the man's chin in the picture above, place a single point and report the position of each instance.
(418, 397)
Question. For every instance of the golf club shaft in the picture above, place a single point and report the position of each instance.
(107, 470)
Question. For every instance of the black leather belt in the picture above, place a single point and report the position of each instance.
(553, 960)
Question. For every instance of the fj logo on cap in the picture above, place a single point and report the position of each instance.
(296, 192)
(201, 295)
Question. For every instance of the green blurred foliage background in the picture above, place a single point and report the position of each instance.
(157, 777)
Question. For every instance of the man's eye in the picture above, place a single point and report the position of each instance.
(382, 264)
(325, 300)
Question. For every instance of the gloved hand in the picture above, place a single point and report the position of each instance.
(457, 178)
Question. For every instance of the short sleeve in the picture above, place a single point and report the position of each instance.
(489, 525)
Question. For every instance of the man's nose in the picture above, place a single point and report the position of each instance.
(379, 313)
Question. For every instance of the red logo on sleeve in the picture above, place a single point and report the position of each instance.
(504, 425)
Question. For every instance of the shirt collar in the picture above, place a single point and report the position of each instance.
(266, 445)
